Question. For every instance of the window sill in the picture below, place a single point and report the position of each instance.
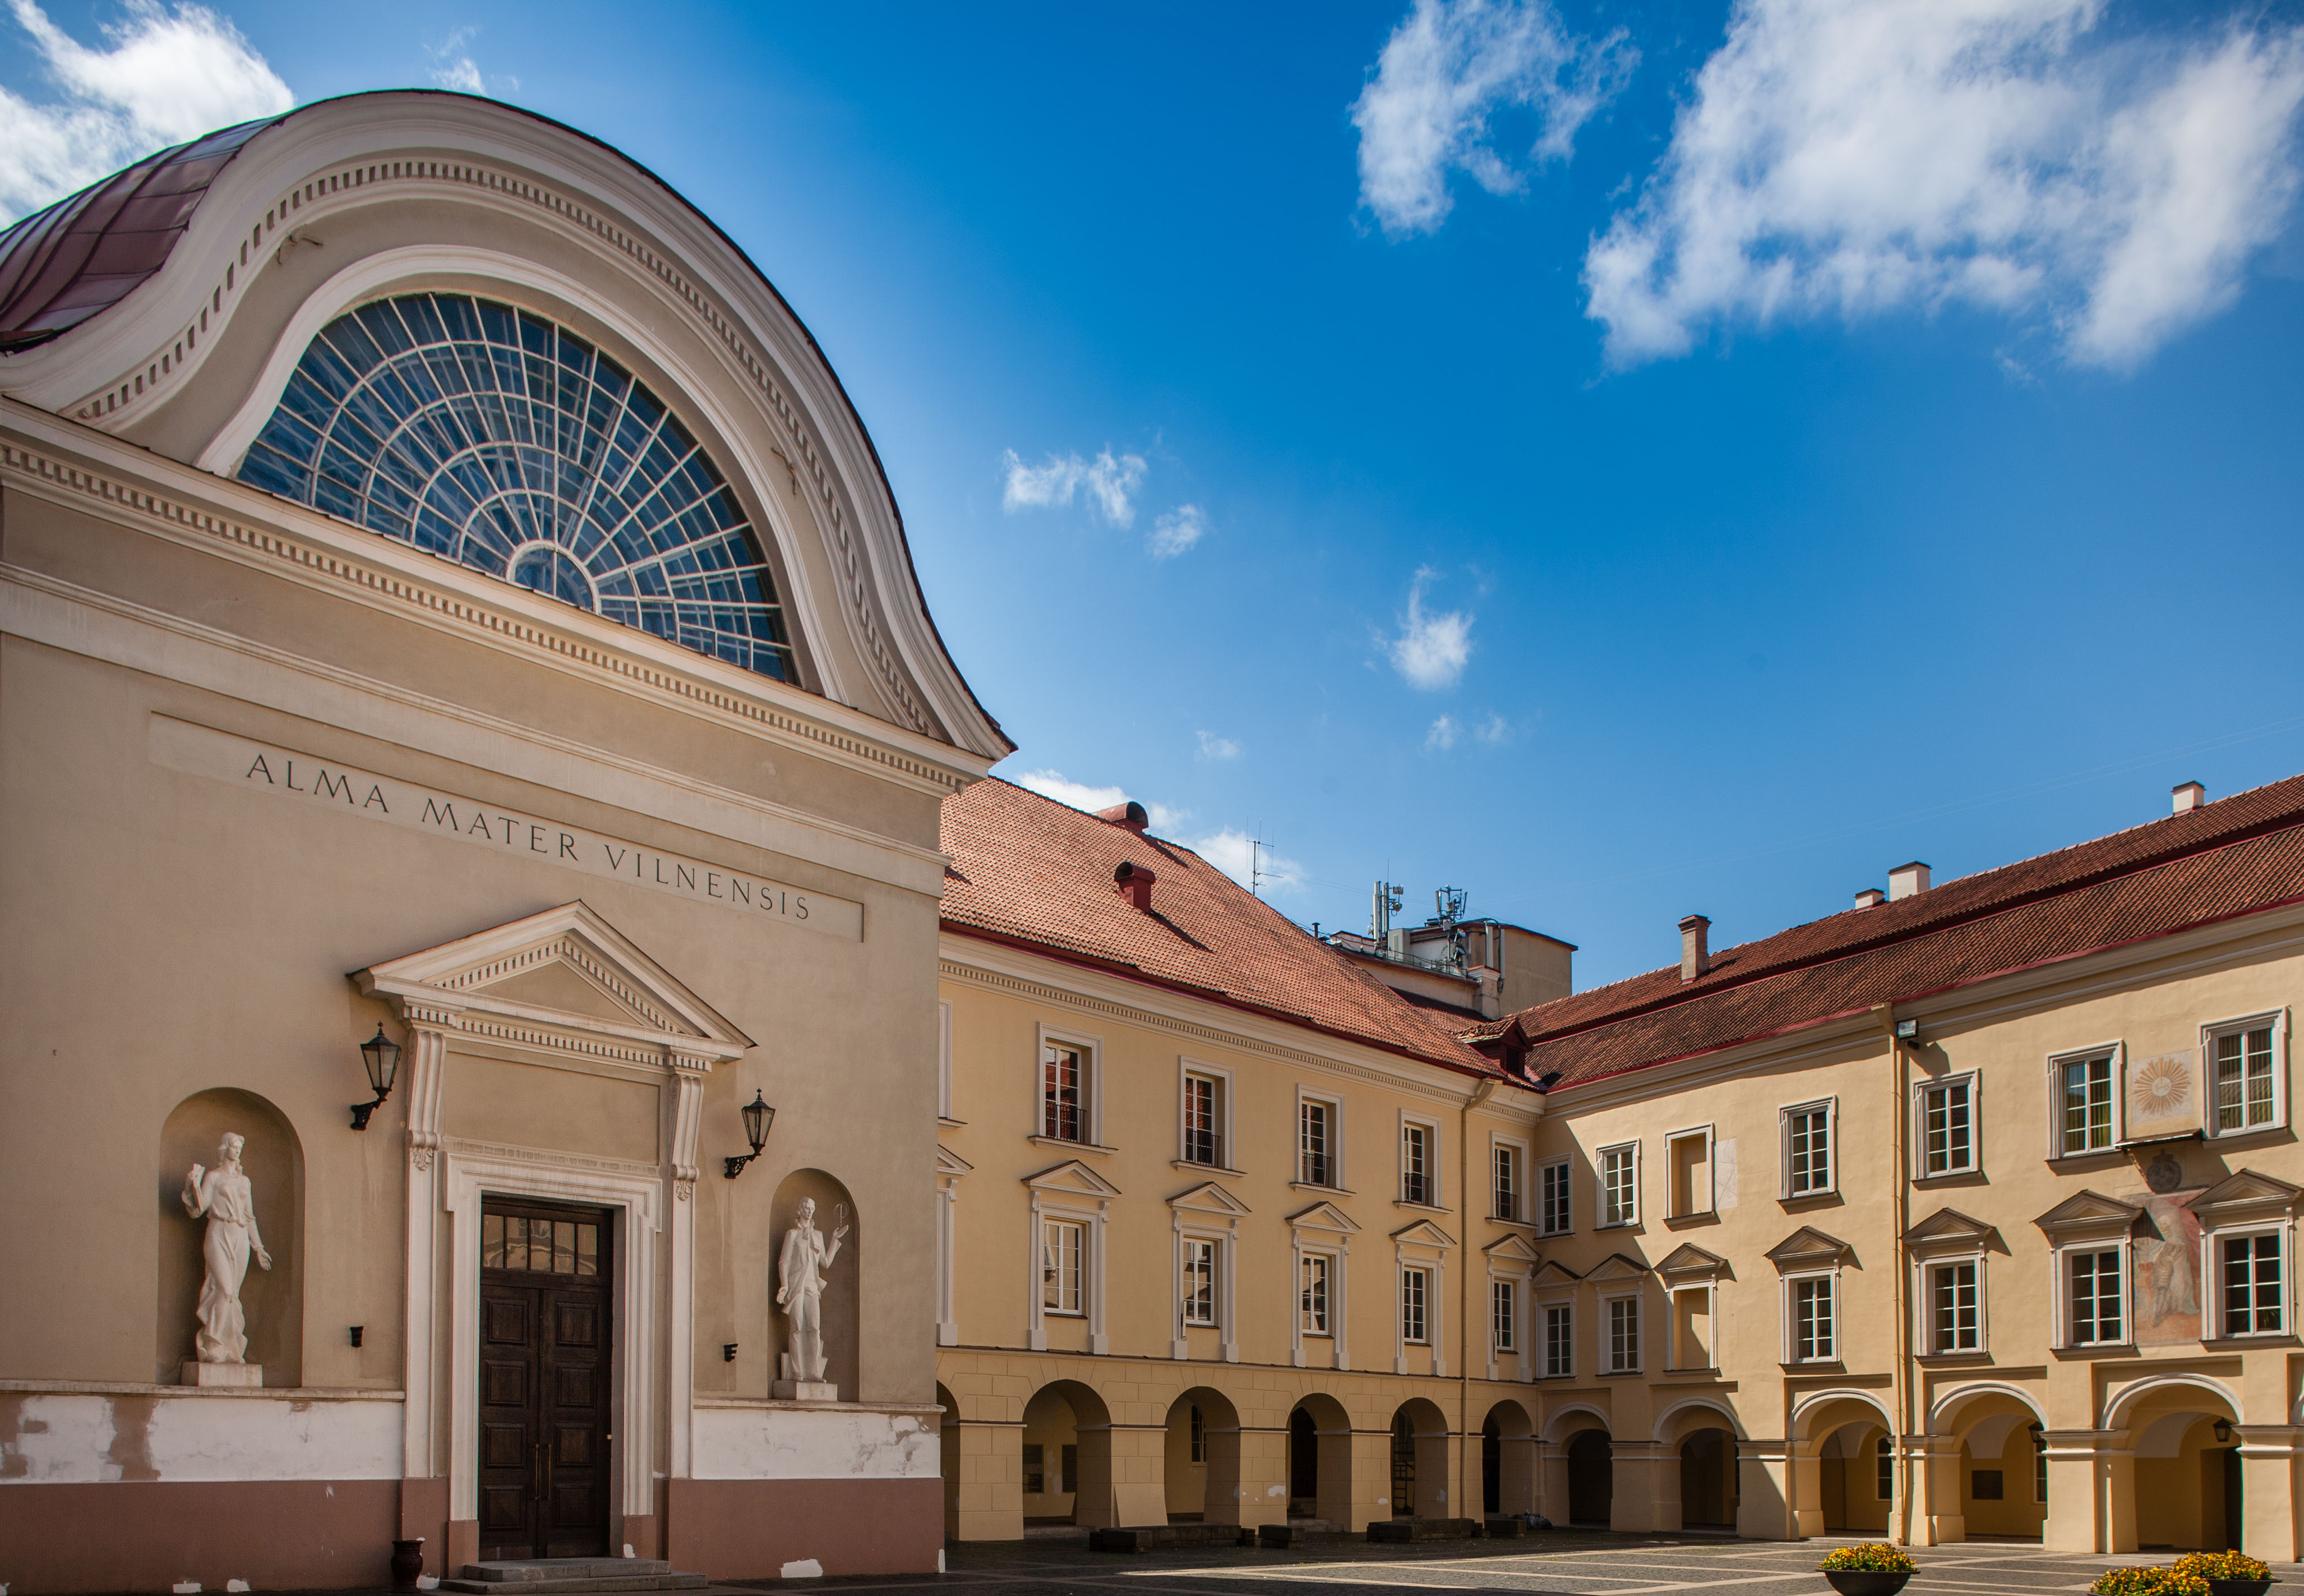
(1093, 1147)
(1527, 1225)
(1953, 1360)
(1622, 1373)
(1207, 1168)
(1690, 1221)
(947, 1120)
(2253, 1133)
(1618, 1225)
(2090, 1158)
(2098, 1349)
(1806, 1200)
(1691, 1376)
(1309, 1185)
(1950, 1177)
(1553, 1236)
(1816, 1366)
(1063, 1313)
(2242, 1343)
(1428, 1207)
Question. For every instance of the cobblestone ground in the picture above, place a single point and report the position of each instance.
(1547, 1564)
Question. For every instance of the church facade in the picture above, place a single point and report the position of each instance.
(468, 730)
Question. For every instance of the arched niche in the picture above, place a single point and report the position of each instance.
(833, 1209)
(272, 1299)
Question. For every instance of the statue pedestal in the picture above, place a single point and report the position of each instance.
(246, 1376)
(798, 1391)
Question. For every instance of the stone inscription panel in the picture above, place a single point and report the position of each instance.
(301, 779)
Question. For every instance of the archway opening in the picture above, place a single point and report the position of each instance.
(1419, 1461)
(1507, 1460)
(2188, 1494)
(1067, 1457)
(2002, 1486)
(1591, 1478)
(1320, 1462)
(1856, 1478)
(1707, 1480)
(1202, 1463)
(948, 1459)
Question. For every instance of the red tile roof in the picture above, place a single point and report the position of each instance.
(2241, 855)
(1030, 871)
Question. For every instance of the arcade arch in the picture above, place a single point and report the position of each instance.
(1321, 1460)
(1507, 1460)
(1067, 1457)
(1698, 1444)
(2189, 1489)
(1202, 1463)
(1419, 1461)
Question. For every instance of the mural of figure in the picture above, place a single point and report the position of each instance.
(226, 1197)
(800, 1273)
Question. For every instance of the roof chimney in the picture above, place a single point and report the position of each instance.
(1695, 957)
(2188, 795)
(1871, 897)
(1134, 883)
(1908, 880)
(1130, 814)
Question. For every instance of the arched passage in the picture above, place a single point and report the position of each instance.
(1202, 1464)
(948, 1455)
(1697, 1451)
(1591, 1478)
(1419, 1461)
(1987, 1466)
(1507, 1460)
(1840, 1480)
(1067, 1457)
(2188, 1494)
(1320, 1461)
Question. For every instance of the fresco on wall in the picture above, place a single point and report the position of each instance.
(2167, 1256)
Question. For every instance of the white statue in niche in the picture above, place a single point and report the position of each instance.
(224, 1196)
(799, 1272)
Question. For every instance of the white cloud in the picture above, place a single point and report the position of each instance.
(1177, 531)
(454, 68)
(1108, 482)
(1846, 158)
(1234, 852)
(1494, 730)
(1447, 69)
(1213, 747)
(1442, 737)
(1080, 795)
(1432, 648)
(167, 76)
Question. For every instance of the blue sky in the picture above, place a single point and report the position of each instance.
(1653, 460)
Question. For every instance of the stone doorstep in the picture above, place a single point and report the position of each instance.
(526, 1569)
(570, 1576)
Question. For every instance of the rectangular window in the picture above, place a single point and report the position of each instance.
(1954, 1324)
(1200, 1427)
(2244, 1098)
(1813, 1341)
(1559, 1341)
(2254, 1304)
(2086, 1107)
(1552, 1200)
(1416, 1170)
(1314, 1292)
(1414, 1285)
(1316, 1143)
(1504, 1183)
(2039, 1466)
(1063, 1074)
(1072, 1469)
(2098, 1305)
(1620, 1196)
(1503, 1314)
(1948, 1127)
(1623, 1335)
(1884, 1480)
(1987, 1485)
(1035, 1469)
(1200, 1282)
(1061, 1244)
(1808, 1149)
(1203, 1141)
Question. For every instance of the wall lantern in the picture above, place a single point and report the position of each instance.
(380, 1057)
(2221, 1428)
(758, 1117)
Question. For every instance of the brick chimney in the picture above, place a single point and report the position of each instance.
(1694, 954)
(1129, 815)
(1134, 883)
(2188, 795)
(1908, 880)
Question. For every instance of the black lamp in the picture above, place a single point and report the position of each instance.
(2221, 1430)
(758, 1117)
(380, 1057)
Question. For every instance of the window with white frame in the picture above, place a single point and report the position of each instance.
(1063, 1250)
(1503, 1314)
(2251, 1297)
(1815, 1320)
(1955, 1306)
(1313, 1293)
(1316, 1142)
(2246, 1076)
(1620, 1184)
(2096, 1296)
(1200, 1281)
(1623, 1320)
(1202, 1117)
(1065, 1083)
(943, 1060)
(1808, 1154)
(1946, 1139)
(2084, 1117)
(1419, 1162)
(1553, 1214)
(1559, 1340)
(1415, 1291)
(1504, 1160)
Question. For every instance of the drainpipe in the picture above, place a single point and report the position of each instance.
(1901, 1212)
(1480, 1094)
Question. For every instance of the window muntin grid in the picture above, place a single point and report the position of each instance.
(1202, 1144)
(1416, 1164)
(1200, 1282)
(1313, 1304)
(1506, 1205)
(1807, 1150)
(1623, 1335)
(2099, 1303)
(2244, 1079)
(1414, 1288)
(2254, 1304)
(489, 436)
(1559, 1340)
(1620, 1200)
(1558, 1219)
(1812, 1320)
(1062, 1243)
(2087, 1085)
(1316, 1161)
(1954, 1321)
(1063, 1071)
(1947, 1128)
(1504, 1316)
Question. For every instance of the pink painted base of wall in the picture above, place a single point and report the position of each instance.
(140, 1535)
(749, 1529)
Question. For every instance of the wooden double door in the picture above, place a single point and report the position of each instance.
(545, 1333)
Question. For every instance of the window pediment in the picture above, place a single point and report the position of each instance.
(1689, 1262)
(1552, 1272)
(1324, 1216)
(1949, 1230)
(1511, 1249)
(2245, 1197)
(1615, 1265)
(2088, 1215)
(1423, 1232)
(1072, 1178)
(1209, 1198)
(1809, 1248)
(950, 1164)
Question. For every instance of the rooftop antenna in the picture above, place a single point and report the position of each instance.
(1388, 904)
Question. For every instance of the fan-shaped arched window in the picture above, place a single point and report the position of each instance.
(491, 436)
